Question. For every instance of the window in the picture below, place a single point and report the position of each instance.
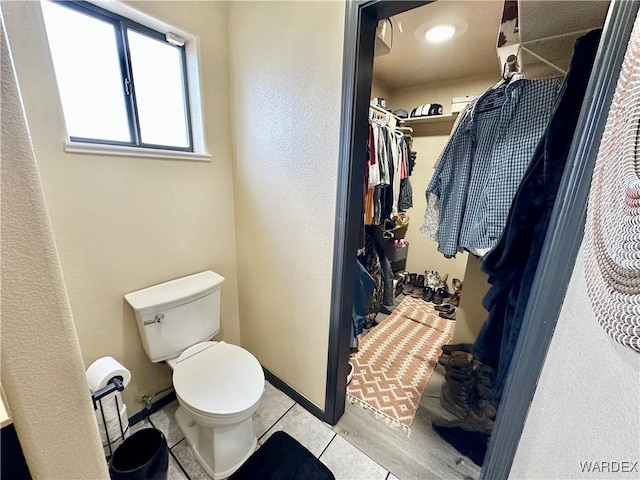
(120, 82)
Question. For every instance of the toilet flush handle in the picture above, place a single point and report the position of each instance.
(157, 319)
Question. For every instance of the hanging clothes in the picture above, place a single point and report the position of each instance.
(479, 170)
(387, 191)
(512, 264)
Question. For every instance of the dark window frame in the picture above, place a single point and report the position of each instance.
(121, 25)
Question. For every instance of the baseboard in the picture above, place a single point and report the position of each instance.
(309, 406)
(157, 405)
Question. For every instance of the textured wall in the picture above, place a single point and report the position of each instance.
(379, 89)
(286, 111)
(126, 223)
(586, 405)
(46, 391)
(471, 314)
(441, 92)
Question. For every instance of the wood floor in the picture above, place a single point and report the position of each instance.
(423, 454)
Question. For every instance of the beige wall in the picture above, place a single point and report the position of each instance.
(585, 408)
(379, 89)
(121, 224)
(441, 92)
(471, 314)
(287, 87)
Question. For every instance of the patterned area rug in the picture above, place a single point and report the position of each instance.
(396, 359)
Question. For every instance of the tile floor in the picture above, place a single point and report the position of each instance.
(276, 412)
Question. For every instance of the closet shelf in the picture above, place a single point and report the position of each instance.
(434, 125)
(448, 118)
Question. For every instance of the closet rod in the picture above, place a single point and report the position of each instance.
(382, 110)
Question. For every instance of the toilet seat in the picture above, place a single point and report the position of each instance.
(216, 378)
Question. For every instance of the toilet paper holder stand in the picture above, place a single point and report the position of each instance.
(115, 384)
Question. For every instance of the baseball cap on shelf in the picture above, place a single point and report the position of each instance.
(426, 110)
(435, 109)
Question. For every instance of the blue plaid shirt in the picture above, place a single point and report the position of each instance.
(480, 168)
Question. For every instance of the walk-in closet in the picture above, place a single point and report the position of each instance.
(473, 107)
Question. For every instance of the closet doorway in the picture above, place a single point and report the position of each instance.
(558, 255)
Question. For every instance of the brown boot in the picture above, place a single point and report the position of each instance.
(473, 422)
(460, 393)
(409, 283)
(418, 287)
(485, 378)
(457, 358)
(456, 394)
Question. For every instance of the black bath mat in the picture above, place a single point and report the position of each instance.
(282, 457)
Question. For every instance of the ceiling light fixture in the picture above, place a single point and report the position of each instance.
(441, 29)
(440, 33)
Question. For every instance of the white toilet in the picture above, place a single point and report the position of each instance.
(218, 385)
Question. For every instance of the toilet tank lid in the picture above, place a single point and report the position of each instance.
(175, 292)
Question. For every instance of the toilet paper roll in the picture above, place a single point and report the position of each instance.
(109, 406)
(103, 370)
(113, 427)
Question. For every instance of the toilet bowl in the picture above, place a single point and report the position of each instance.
(219, 387)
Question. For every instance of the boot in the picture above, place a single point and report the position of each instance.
(418, 288)
(485, 378)
(427, 296)
(407, 288)
(458, 359)
(473, 422)
(460, 394)
(458, 347)
(444, 285)
(438, 296)
(456, 394)
(454, 299)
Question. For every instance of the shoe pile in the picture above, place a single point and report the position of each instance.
(437, 291)
(433, 288)
(466, 394)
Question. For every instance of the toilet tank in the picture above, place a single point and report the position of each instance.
(175, 315)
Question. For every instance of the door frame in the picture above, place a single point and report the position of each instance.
(563, 240)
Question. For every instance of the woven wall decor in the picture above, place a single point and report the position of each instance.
(612, 236)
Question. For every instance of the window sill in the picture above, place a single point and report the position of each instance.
(121, 151)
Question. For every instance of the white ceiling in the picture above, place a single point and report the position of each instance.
(417, 62)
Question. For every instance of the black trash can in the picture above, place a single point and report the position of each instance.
(142, 456)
